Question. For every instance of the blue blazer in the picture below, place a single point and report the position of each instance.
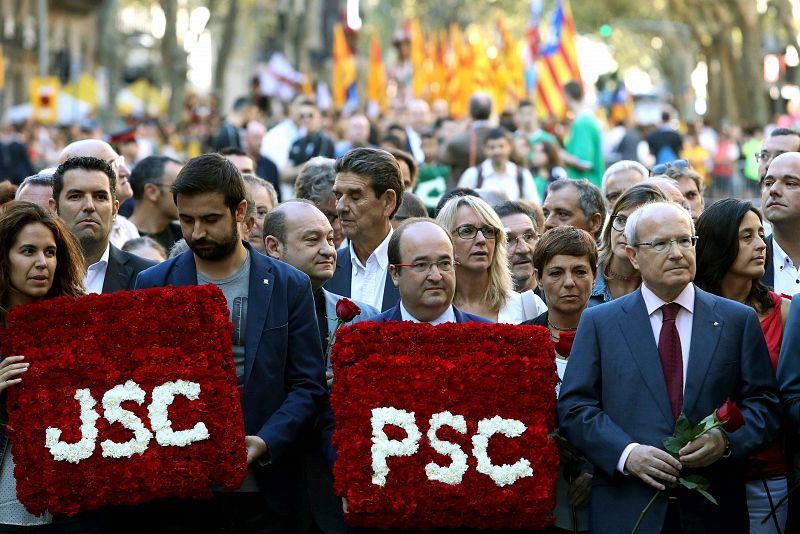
(393, 314)
(769, 271)
(789, 367)
(367, 311)
(343, 276)
(614, 394)
(284, 370)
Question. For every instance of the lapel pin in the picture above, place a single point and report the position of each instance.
(266, 283)
(715, 322)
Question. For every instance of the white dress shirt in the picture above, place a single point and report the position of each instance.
(787, 274)
(367, 282)
(683, 322)
(504, 182)
(449, 316)
(96, 274)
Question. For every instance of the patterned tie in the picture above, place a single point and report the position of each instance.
(669, 350)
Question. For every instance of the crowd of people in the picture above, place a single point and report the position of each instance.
(656, 304)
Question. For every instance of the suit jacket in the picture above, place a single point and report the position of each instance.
(456, 151)
(789, 367)
(331, 299)
(122, 269)
(393, 314)
(614, 394)
(769, 270)
(343, 276)
(284, 373)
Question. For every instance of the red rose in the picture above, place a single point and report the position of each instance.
(730, 416)
(564, 343)
(346, 310)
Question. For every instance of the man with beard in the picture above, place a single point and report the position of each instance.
(84, 190)
(521, 236)
(276, 351)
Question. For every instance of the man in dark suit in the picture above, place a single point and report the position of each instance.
(368, 189)
(641, 360)
(276, 348)
(789, 383)
(422, 267)
(465, 149)
(84, 191)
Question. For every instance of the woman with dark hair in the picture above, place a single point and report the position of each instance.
(39, 259)
(616, 275)
(731, 254)
(546, 165)
(565, 262)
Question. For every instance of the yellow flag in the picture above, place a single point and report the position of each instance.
(376, 83)
(344, 67)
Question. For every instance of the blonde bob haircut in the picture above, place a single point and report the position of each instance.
(500, 285)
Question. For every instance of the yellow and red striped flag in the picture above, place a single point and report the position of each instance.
(344, 67)
(419, 81)
(376, 82)
(558, 63)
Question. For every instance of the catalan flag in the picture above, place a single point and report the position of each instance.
(376, 82)
(558, 63)
(419, 82)
(344, 67)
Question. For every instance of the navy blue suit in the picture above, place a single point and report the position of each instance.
(393, 314)
(343, 277)
(614, 394)
(789, 366)
(769, 271)
(284, 370)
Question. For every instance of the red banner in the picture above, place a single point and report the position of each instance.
(445, 426)
(129, 397)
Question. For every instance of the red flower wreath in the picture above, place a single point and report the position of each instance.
(478, 371)
(150, 337)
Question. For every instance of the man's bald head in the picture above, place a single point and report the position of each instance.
(670, 189)
(94, 148)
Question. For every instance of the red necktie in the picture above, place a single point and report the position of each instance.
(669, 350)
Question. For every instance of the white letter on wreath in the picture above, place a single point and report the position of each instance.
(453, 473)
(113, 412)
(503, 475)
(163, 396)
(383, 447)
(83, 449)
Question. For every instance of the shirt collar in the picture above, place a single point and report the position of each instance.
(488, 169)
(781, 259)
(102, 262)
(685, 299)
(449, 316)
(381, 253)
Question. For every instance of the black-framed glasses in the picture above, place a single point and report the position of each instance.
(469, 231)
(424, 267)
(618, 222)
(685, 242)
(529, 238)
(764, 155)
(661, 168)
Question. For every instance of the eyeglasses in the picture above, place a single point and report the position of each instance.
(528, 237)
(116, 163)
(469, 231)
(764, 155)
(424, 267)
(618, 222)
(685, 242)
(306, 115)
(661, 168)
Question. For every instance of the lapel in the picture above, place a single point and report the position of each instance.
(705, 337)
(330, 309)
(769, 272)
(391, 295)
(262, 282)
(634, 324)
(343, 277)
(184, 272)
(117, 271)
(459, 315)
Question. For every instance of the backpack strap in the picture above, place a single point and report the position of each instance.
(519, 180)
(479, 182)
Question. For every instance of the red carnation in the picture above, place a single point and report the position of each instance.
(564, 343)
(347, 310)
(730, 416)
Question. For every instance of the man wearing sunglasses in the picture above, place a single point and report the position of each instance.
(314, 143)
(422, 266)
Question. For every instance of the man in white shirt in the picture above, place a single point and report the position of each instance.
(423, 269)
(644, 359)
(498, 173)
(84, 192)
(780, 198)
(368, 189)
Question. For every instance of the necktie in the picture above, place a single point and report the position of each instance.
(669, 350)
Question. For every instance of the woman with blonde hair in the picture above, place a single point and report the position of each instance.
(483, 278)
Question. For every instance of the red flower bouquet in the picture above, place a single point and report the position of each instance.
(445, 426)
(121, 405)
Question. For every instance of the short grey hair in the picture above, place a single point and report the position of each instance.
(252, 179)
(631, 226)
(590, 199)
(620, 166)
(315, 181)
(44, 180)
